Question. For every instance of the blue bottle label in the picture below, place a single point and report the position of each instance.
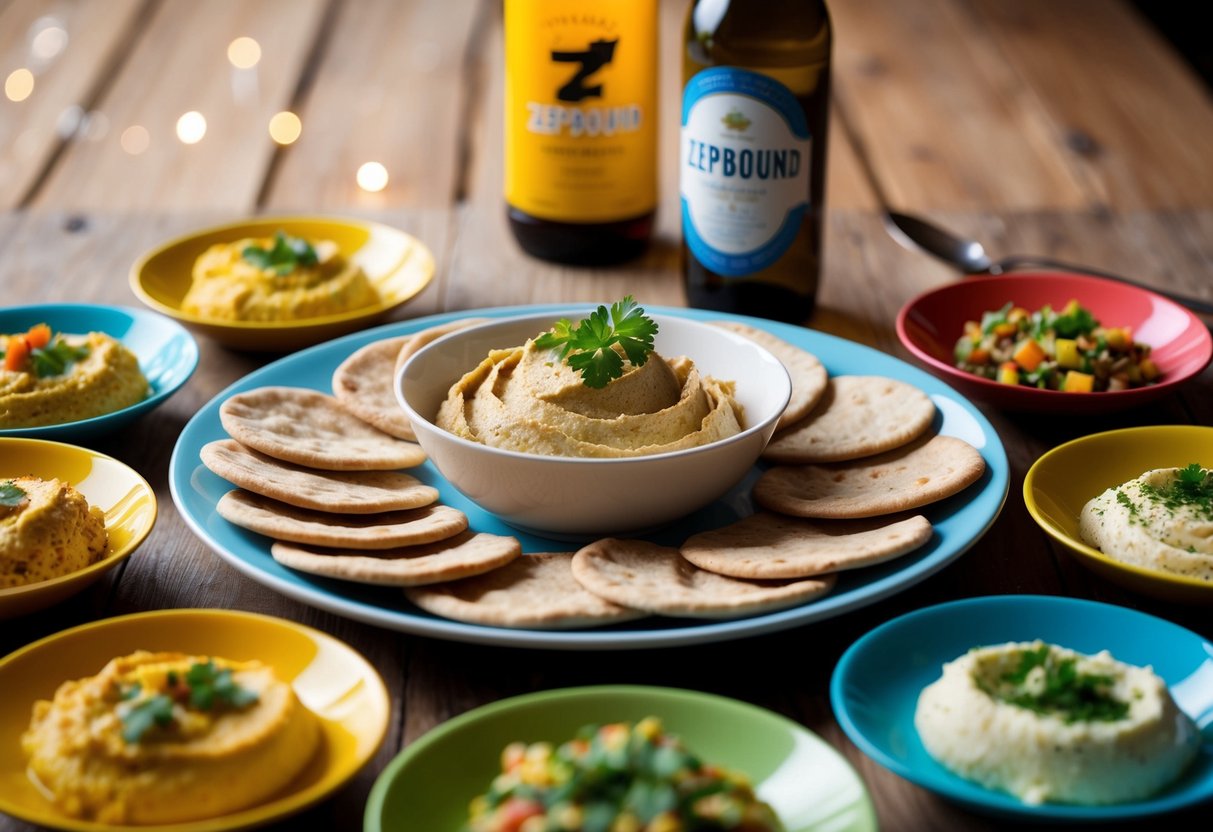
(744, 176)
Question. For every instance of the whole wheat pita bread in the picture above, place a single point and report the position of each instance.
(428, 336)
(922, 472)
(858, 416)
(311, 429)
(339, 492)
(807, 374)
(775, 546)
(461, 556)
(350, 531)
(534, 591)
(656, 578)
(364, 385)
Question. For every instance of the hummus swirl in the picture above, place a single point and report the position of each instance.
(524, 399)
(1039, 755)
(107, 379)
(228, 287)
(51, 532)
(206, 763)
(1139, 524)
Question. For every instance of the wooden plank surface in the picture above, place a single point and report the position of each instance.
(966, 111)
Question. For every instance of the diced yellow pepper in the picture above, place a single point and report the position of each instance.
(1005, 330)
(1008, 373)
(1067, 353)
(1118, 338)
(1029, 355)
(1077, 382)
(1149, 370)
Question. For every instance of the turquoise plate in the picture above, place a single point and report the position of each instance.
(959, 521)
(167, 355)
(876, 684)
(809, 784)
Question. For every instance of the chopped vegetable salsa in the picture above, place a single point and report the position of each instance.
(616, 778)
(1067, 350)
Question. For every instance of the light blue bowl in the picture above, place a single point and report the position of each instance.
(876, 684)
(167, 355)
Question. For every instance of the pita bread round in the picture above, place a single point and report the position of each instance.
(775, 546)
(339, 492)
(350, 531)
(311, 429)
(461, 556)
(428, 336)
(534, 591)
(364, 385)
(858, 416)
(928, 469)
(807, 374)
(646, 576)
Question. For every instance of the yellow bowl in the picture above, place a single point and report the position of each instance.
(1061, 482)
(127, 500)
(330, 678)
(396, 263)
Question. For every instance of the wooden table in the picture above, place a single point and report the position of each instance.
(1063, 128)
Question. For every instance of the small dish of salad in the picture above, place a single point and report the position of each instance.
(1067, 350)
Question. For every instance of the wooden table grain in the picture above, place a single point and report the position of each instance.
(1069, 129)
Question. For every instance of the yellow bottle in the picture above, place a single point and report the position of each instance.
(581, 127)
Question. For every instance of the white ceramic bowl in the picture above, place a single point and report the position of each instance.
(573, 497)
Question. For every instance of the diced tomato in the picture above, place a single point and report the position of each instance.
(515, 811)
(16, 353)
(38, 336)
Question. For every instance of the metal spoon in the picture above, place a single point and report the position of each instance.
(970, 256)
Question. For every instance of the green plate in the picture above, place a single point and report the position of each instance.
(811, 786)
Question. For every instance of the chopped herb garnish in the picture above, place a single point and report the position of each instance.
(1124, 500)
(209, 684)
(56, 358)
(1192, 486)
(284, 256)
(10, 495)
(155, 710)
(1064, 691)
(588, 347)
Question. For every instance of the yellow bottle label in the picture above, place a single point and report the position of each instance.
(580, 108)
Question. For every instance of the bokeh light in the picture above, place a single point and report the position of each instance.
(191, 127)
(19, 84)
(244, 53)
(285, 127)
(135, 139)
(372, 177)
(49, 42)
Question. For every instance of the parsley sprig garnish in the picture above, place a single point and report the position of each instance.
(56, 357)
(1192, 486)
(588, 346)
(284, 256)
(1068, 693)
(204, 687)
(10, 495)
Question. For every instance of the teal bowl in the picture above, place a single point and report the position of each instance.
(167, 353)
(428, 786)
(875, 687)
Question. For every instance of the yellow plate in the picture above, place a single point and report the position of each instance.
(1061, 482)
(127, 500)
(397, 264)
(330, 678)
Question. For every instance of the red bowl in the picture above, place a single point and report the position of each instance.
(930, 324)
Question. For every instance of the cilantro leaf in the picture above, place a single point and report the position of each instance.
(208, 685)
(588, 347)
(56, 358)
(284, 256)
(10, 495)
(155, 710)
(1076, 321)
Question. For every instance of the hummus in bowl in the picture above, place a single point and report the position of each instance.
(1162, 520)
(158, 738)
(1048, 724)
(625, 468)
(47, 530)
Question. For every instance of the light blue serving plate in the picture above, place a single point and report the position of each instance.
(875, 687)
(167, 353)
(958, 521)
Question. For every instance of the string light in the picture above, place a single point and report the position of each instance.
(191, 127)
(372, 177)
(244, 53)
(135, 139)
(19, 84)
(285, 127)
